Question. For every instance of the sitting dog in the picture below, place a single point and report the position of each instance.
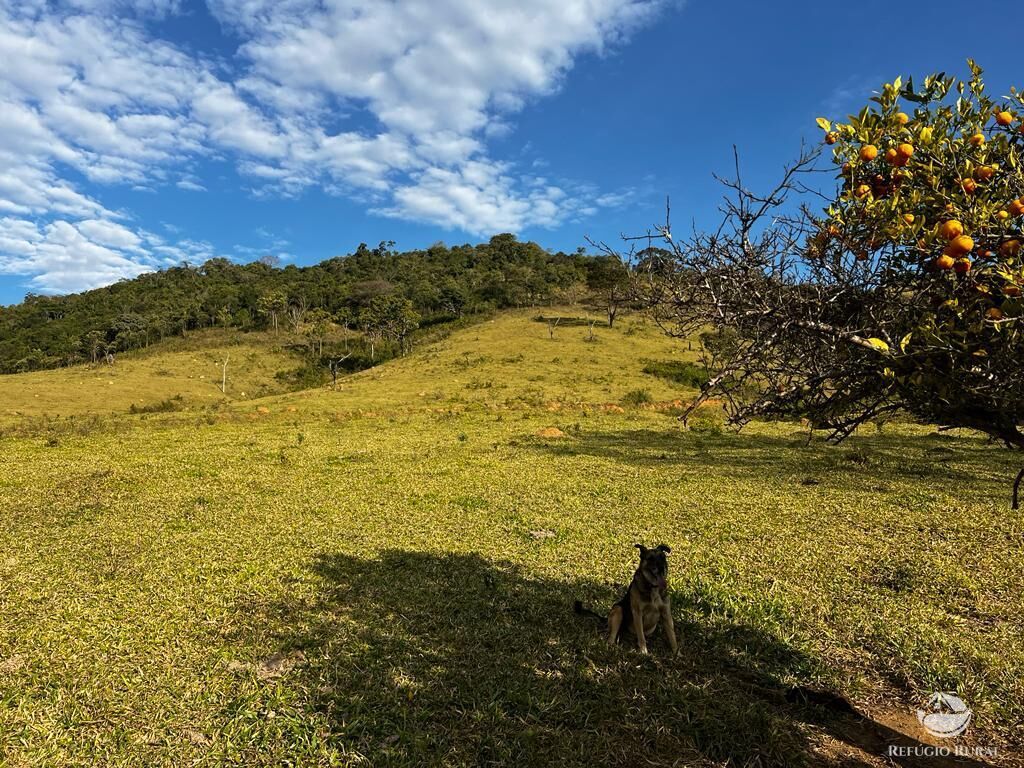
(645, 604)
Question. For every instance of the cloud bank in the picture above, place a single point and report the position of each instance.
(391, 102)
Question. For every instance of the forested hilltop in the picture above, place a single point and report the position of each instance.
(382, 293)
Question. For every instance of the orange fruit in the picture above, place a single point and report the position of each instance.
(831, 138)
(1004, 118)
(906, 149)
(1009, 248)
(950, 229)
(962, 266)
(977, 139)
(960, 246)
(984, 172)
(892, 156)
(1016, 208)
(863, 191)
(994, 313)
(945, 262)
(1011, 290)
(1003, 215)
(901, 118)
(908, 218)
(969, 186)
(846, 167)
(868, 152)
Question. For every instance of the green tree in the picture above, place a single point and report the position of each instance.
(399, 319)
(95, 344)
(272, 305)
(317, 326)
(608, 278)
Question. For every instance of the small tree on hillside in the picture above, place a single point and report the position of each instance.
(608, 279)
(398, 317)
(318, 324)
(371, 323)
(94, 343)
(272, 305)
(903, 294)
(297, 313)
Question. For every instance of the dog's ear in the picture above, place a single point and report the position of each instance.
(664, 548)
(643, 550)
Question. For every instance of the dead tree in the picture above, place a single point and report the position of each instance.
(224, 374)
(335, 367)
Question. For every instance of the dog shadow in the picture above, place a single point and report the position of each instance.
(419, 658)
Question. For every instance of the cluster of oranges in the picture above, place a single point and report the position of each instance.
(875, 213)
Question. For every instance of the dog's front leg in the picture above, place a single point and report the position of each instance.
(667, 626)
(614, 624)
(638, 626)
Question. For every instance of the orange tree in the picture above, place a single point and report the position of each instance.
(901, 293)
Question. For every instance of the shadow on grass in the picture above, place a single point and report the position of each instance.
(565, 321)
(856, 464)
(417, 658)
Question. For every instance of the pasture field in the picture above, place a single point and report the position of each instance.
(383, 574)
(174, 374)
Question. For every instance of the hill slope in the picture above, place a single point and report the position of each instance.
(508, 360)
(177, 374)
(513, 360)
(438, 283)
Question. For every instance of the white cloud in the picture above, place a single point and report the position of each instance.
(60, 257)
(109, 233)
(190, 186)
(390, 102)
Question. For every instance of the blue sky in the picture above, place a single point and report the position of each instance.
(136, 134)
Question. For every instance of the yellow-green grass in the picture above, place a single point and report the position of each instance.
(513, 361)
(189, 370)
(309, 588)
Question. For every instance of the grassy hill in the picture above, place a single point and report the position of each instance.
(186, 372)
(514, 361)
(383, 574)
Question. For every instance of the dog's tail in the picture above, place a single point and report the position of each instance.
(581, 611)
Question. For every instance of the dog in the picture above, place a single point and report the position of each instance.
(645, 604)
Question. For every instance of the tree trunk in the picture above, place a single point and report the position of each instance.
(224, 376)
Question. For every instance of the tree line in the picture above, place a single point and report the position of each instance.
(380, 294)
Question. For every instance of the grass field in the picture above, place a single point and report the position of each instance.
(186, 372)
(384, 574)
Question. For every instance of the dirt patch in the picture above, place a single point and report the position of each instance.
(279, 664)
(866, 737)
